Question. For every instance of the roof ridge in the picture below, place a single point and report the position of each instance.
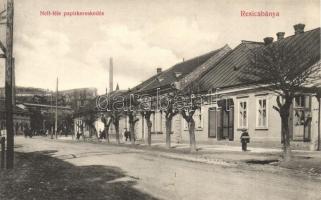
(204, 54)
(248, 41)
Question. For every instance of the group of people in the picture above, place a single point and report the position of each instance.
(28, 132)
(103, 135)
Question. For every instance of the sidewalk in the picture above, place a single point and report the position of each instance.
(304, 162)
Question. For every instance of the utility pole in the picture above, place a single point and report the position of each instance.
(8, 85)
(13, 82)
(319, 118)
(56, 114)
(51, 117)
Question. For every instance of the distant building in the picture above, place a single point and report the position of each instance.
(21, 118)
(35, 107)
(77, 98)
(74, 98)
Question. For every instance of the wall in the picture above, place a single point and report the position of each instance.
(272, 133)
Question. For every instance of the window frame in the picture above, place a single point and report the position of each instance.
(257, 115)
(239, 111)
(199, 123)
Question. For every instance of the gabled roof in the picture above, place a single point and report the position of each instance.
(175, 73)
(227, 72)
(206, 66)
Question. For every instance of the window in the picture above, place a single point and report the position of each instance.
(261, 112)
(198, 119)
(242, 115)
(299, 117)
(299, 101)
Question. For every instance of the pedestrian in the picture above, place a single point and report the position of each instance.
(126, 134)
(245, 138)
(78, 135)
(102, 134)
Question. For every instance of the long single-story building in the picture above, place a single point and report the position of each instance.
(233, 106)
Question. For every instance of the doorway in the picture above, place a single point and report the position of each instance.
(221, 120)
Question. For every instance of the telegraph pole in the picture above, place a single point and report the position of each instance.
(51, 116)
(8, 85)
(318, 96)
(56, 114)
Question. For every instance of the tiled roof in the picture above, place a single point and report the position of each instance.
(199, 71)
(175, 73)
(227, 72)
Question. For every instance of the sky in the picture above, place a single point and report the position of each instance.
(140, 35)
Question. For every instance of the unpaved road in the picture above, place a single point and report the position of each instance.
(165, 178)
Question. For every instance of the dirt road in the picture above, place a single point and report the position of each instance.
(165, 178)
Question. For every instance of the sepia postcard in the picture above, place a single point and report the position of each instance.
(160, 99)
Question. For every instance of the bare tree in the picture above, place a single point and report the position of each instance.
(147, 109)
(131, 108)
(286, 69)
(167, 105)
(317, 91)
(116, 112)
(107, 122)
(115, 117)
(192, 101)
(147, 115)
(90, 119)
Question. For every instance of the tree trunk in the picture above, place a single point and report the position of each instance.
(286, 135)
(132, 132)
(168, 132)
(149, 132)
(117, 133)
(191, 129)
(92, 130)
(107, 134)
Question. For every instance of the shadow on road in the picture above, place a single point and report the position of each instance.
(37, 175)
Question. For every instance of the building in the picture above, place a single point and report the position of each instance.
(77, 98)
(237, 106)
(21, 118)
(232, 105)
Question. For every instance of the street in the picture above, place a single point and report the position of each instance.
(164, 178)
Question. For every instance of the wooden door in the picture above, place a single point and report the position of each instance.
(212, 122)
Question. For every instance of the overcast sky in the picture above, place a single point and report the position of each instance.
(140, 35)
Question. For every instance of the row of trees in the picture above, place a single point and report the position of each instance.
(120, 104)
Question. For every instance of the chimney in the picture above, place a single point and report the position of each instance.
(298, 28)
(280, 35)
(268, 40)
(111, 76)
(159, 70)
